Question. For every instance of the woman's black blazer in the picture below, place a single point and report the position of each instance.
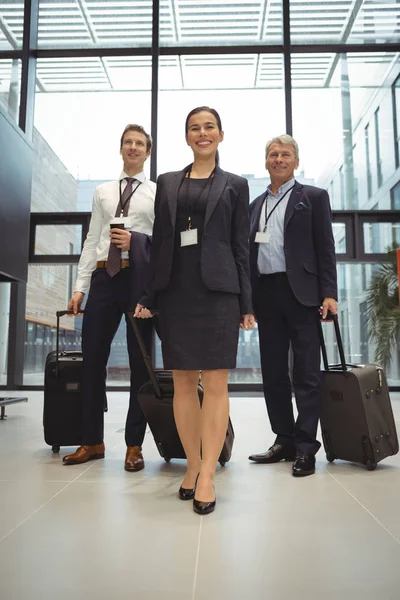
(224, 245)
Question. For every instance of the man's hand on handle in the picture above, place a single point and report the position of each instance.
(329, 304)
(76, 302)
(247, 322)
(141, 312)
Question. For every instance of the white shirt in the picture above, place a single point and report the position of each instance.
(105, 201)
(271, 256)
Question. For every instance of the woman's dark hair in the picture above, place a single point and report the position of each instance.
(217, 118)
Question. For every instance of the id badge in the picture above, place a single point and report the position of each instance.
(262, 237)
(189, 237)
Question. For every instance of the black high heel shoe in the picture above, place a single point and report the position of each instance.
(203, 508)
(187, 493)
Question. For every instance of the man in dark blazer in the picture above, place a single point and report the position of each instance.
(293, 272)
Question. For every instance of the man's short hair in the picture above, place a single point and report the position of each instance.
(139, 129)
(283, 139)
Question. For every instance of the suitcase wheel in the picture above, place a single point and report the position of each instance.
(330, 457)
(167, 458)
(222, 463)
(55, 449)
(371, 465)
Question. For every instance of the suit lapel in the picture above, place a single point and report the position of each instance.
(256, 216)
(218, 184)
(174, 183)
(295, 198)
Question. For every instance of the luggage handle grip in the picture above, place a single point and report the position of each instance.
(145, 354)
(59, 314)
(335, 320)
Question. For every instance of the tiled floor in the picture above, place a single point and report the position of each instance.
(96, 532)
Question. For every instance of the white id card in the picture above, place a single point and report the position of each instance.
(189, 237)
(262, 237)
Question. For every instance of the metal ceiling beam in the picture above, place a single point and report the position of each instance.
(175, 20)
(346, 31)
(10, 37)
(263, 17)
(92, 32)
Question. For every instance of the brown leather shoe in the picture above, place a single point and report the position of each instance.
(84, 453)
(134, 458)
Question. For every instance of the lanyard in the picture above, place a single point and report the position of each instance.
(275, 207)
(191, 208)
(128, 198)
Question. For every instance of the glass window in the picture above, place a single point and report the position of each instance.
(337, 101)
(53, 285)
(239, 88)
(368, 160)
(77, 134)
(396, 118)
(5, 290)
(227, 22)
(344, 21)
(379, 237)
(58, 239)
(339, 234)
(395, 196)
(377, 148)
(94, 23)
(11, 24)
(359, 348)
(10, 83)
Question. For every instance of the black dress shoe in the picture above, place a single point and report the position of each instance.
(304, 464)
(276, 453)
(203, 508)
(187, 493)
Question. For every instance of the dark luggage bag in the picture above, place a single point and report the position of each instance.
(155, 399)
(62, 409)
(357, 420)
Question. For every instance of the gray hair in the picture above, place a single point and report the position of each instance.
(283, 139)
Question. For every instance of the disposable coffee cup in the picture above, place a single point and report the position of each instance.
(117, 224)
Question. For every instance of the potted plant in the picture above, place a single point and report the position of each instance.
(383, 308)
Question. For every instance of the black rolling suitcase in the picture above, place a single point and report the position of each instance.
(357, 421)
(62, 409)
(155, 399)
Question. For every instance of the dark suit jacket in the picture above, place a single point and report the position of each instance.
(139, 261)
(224, 245)
(308, 245)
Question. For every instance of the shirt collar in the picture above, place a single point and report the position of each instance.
(140, 176)
(284, 188)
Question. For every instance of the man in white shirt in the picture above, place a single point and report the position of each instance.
(105, 268)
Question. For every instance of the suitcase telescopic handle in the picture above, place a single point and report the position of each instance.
(59, 314)
(335, 320)
(145, 354)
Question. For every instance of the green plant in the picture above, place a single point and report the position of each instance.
(383, 308)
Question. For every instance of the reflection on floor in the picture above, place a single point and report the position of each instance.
(97, 532)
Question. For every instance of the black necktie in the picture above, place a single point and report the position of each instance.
(114, 253)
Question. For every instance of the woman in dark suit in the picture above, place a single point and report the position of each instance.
(200, 283)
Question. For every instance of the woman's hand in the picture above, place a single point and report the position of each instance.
(141, 312)
(247, 322)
